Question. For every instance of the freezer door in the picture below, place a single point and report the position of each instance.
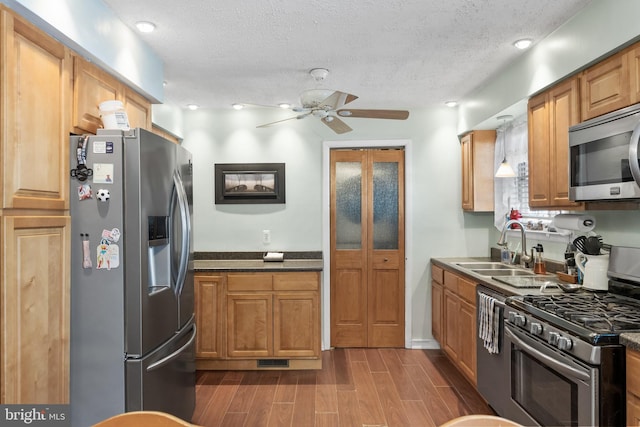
(165, 379)
(182, 235)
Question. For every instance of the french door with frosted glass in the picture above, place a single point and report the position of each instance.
(367, 248)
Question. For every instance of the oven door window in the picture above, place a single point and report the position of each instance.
(605, 161)
(549, 397)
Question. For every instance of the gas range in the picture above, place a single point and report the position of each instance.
(577, 323)
(597, 318)
(572, 340)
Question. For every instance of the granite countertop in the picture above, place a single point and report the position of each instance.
(502, 288)
(252, 261)
(630, 340)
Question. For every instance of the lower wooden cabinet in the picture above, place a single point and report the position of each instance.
(633, 387)
(437, 295)
(34, 310)
(453, 316)
(209, 308)
(246, 317)
(250, 325)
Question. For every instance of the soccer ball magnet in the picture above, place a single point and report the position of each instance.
(103, 195)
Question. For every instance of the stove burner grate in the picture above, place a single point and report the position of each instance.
(596, 312)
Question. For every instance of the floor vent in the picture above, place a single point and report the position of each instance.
(273, 363)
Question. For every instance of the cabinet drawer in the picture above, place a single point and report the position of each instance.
(304, 281)
(467, 290)
(437, 274)
(249, 282)
(451, 282)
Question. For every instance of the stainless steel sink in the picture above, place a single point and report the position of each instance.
(484, 266)
(502, 272)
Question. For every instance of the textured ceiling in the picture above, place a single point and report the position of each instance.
(390, 53)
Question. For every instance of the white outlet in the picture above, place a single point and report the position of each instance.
(266, 236)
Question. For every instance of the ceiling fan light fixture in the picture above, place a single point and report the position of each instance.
(313, 97)
(345, 113)
(319, 74)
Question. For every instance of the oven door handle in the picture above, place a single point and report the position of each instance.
(558, 366)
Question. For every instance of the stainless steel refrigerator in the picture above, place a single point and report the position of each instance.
(132, 301)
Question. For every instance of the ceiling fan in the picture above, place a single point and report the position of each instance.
(327, 105)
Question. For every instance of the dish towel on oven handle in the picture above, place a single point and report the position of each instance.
(489, 320)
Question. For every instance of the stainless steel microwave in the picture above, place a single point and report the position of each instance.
(603, 157)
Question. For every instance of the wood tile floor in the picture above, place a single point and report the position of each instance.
(356, 387)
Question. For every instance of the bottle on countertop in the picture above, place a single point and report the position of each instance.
(538, 260)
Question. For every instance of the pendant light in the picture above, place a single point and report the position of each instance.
(505, 170)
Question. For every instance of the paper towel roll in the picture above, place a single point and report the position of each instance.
(578, 222)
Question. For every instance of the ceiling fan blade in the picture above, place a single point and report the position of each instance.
(337, 125)
(300, 116)
(337, 99)
(375, 114)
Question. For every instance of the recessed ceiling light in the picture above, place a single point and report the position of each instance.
(523, 43)
(451, 104)
(284, 105)
(145, 26)
(192, 107)
(237, 106)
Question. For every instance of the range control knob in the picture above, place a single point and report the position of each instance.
(520, 320)
(564, 343)
(512, 317)
(536, 328)
(553, 338)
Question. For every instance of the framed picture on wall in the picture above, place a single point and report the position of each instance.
(251, 183)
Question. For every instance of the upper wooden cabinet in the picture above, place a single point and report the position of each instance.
(550, 114)
(477, 170)
(138, 109)
(633, 59)
(611, 84)
(605, 86)
(91, 86)
(35, 86)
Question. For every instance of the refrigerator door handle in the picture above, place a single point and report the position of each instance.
(186, 232)
(160, 363)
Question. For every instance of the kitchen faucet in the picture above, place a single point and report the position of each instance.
(524, 257)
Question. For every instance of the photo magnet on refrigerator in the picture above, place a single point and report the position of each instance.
(108, 255)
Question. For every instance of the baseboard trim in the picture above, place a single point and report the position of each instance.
(252, 365)
(425, 344)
